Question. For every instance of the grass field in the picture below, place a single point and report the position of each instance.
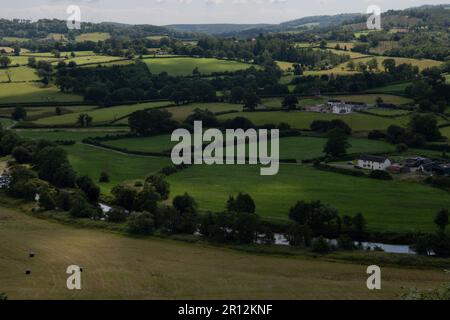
(15, 39)
(63, 54)
(299, 148)
(447, 78)
(446, 132)
(387, 206)
(185, 66)
(34, 113)
(82, 60)
(94, 36)
(303, 120)
(33, 92)
(122, 168)
(117, 267)
(100, 115)
(388, 112)
(372, 98)
(343, 70)
(22, 73)
(5, 122)
(394, 88)
(23, 59)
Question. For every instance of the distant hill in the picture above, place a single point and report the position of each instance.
(215, 29)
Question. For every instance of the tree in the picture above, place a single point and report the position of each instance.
(124, 197)
(141, 223)
(372, 64)
(145, 123)
(337, 143)
(351, 65)
(22, 155)
(359, 224)
(80, 208)
(84, 120)
(242, 203)
(389, 65)
(425, 125)
(104, 177)
(4, 61)
(183, 218)
(117, 215)
(53, 166)
(58, 111)
(321, 245)
(290, 102)
(251, 101)
(442, 219)
(19, 113)
(237, 95)
(46, 200)
(90, 189)
(298, 70)
(161, 186)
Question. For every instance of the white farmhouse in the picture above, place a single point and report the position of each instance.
(374, 162)
(342, 107)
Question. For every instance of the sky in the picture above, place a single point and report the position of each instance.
(163, 12)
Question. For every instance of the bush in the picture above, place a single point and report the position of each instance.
(346, 243)
(104, 177)
(380, 175)
(63, 201)
(90, 189)
(46, 200)
(321, 245)
(22, 155)
(117, 215)
(141, 223)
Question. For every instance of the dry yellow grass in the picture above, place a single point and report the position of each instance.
(117, 267)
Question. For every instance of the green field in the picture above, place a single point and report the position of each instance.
(23, 59)
(100, 115)
(372, 98)
(118, 267)
(15, 39)
(447, 78)
(394, 88)
(5, 122)
(446, 132)
(94, 36)
(122, 168)
(388, 206)
(22, 73)
(63, 54)
(33, 92)
(299, 148)
(342, 68)
(34, 113)
(388, 112)
(303, 120)
(185, 66)
(97, 59)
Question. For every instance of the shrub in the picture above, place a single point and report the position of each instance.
(22, 155)
(104, 177)
(46, 200)
(321, 245)
(117, 215)
(380, 175)
(141, 223)
(346, 243)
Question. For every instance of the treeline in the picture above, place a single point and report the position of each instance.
(108, 85)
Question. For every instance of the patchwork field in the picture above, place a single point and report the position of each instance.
(121, 167)
(299, 148)
(387, 205)
(33, 92)
(94, 36)
(185, 66)
(342, 68)
(372, 98)
(117, 267)
(100, 115)
(35, 113)
(16, 74)
(97, 59)
(5, 122)
(394, 88)
(303, 120)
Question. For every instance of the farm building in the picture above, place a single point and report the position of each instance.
(342, 107)
(434, 168)
(374, 162)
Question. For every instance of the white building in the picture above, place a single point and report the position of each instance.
(342, 107)
(374, 162)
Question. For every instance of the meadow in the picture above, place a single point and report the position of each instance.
(303, 120)
(93, 36)
(121, 167)
(5, 122)
(387, 205)
(96, 59)
(393, 88)
(16, 74)
(372, 98)
(118, 267)
(184, 66)
(342, 69)
(35, 113)
(298, 148)
(100, 115)
(33, 92)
